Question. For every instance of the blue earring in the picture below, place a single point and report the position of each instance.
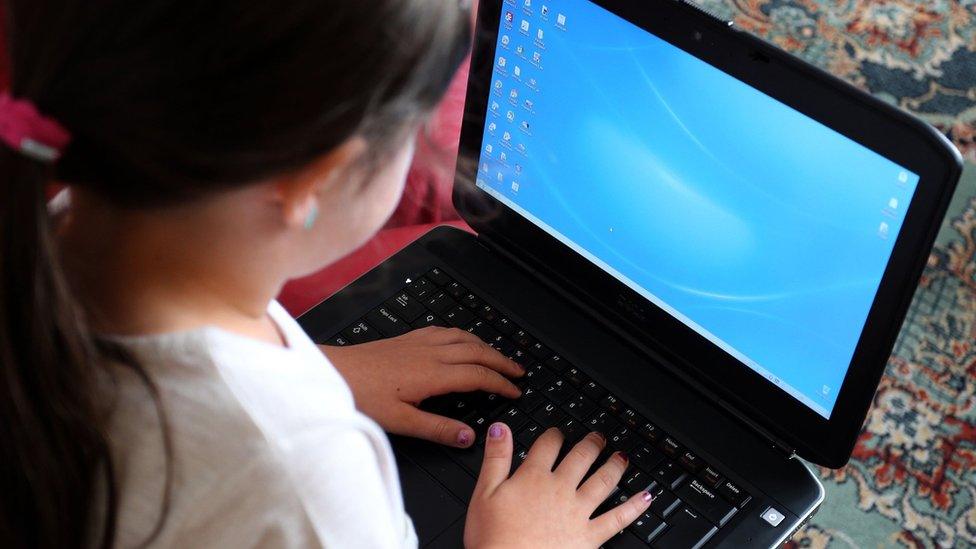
(312, 216)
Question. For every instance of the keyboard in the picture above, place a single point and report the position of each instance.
(692, 499)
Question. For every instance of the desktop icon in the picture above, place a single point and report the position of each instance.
(498, 84)
(500, 176)
(488, 148)
(505, 40)
(893, 203)
(525, 26)
(519, 49)
(529, 104)
(536, 57)
(513, 94)
(515, 186)
(545, 10)
(883, 230)
(502, 156)
(528, 3)
(507, 136)
(494, 106)
(532, 81)
(539, 35)
(561, 20)
(903, 177)
(510, 116)
(518, 71)
(484, 167)
(525, 126)
(518, 168)
(509, 17)
(492, 127)
(502, 62)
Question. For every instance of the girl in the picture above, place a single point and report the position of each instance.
(152, 390)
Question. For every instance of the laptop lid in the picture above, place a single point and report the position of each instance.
(755, 220)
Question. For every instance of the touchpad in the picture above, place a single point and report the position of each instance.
(431, 507)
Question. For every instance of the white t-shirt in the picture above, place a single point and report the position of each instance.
(268, 448)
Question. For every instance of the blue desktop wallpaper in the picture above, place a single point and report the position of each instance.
(757, 226)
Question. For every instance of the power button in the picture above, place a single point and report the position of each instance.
(772, 516)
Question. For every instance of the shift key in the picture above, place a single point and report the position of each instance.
(703, 498)
(688, 529)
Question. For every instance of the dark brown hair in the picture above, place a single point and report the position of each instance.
(168, 101)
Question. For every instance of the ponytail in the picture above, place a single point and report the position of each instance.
(53, 444)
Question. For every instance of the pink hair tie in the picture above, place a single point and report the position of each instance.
(26, 130)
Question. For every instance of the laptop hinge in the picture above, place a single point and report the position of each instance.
(778, 445)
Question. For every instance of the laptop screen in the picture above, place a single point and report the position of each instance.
(761, 229)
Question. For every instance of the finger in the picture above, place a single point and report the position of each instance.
(603, 481)
(476, 352)
(437, 335)
(417, 423)
(497, 461)
(613, 521)
(545, 449)
(463, 378)
(578, 461)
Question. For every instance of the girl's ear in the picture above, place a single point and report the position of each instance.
(298, 193)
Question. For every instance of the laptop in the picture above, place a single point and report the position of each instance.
(695, 243)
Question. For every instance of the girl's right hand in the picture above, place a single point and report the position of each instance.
(539, 507)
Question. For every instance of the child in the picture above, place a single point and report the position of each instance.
(152, 390)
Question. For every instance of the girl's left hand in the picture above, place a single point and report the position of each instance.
(390, 377)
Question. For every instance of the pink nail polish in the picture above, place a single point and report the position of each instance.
(646, 496)
(464, 437)
(496, 431)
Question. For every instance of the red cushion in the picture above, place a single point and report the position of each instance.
(301, 294)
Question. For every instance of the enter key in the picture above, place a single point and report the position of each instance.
(714, 507)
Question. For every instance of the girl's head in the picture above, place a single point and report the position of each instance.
(306, 106)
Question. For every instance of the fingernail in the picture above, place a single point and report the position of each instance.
(623, 456)
(646, 496)
(496, 430)
(600, 436)
(464, 437)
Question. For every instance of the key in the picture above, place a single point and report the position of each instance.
(733, 493)
(594, 391)
(360, 332)
(484, 331)
(514, 418)
(518, 458)
(406, 306)
(706, 500)
(454, 406)
(471, 301)
(337, 340)
(478, 421)
(670, 447)
(611, 403)
(575, 377)
(470, 458)
(622, 439)
(521, 357)
(386, 322)
(505, 325)
(710, 477)
(557, 363)
(580, 407)
(537, 376)
(438, 277)
(557, 391)
(647, 527)
(528, 434)
(602, 422)
(631, 418)
(487, 313)
(645, 456)
(668, 474)
(624, 540)
(573, 431)
(650, 431)
(455, 289)
(421, 288)
(690, 461)
(522, 338)
(664, 501)
(530, 399)
(539, 350)
(441, 302)
(428, 319)
(502, 344)
(688, 529)
(548, 415)
(459, 317)
(636, 481)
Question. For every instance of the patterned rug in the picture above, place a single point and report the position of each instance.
(912, 479)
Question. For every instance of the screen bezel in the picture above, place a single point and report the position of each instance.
(855, 114)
